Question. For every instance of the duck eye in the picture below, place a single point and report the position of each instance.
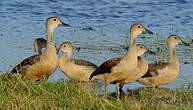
(175, 37)
(54, 19)
(138, 26)
(141, 47)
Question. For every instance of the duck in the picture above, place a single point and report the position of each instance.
(76, 69)
(163, 73)
(40, 67)
(39, 43)
(142, 64)
(120, 70)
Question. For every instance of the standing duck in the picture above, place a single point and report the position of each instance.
(76, 69)
(164, 73)
(142, 65)
(40, 67)
(126, 67)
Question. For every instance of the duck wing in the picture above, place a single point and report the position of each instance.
(84, 63)
(153, 69)
(106, 67)
(26, 62)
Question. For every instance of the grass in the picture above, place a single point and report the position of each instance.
(23, 94)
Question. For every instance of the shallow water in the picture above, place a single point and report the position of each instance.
(99, 25)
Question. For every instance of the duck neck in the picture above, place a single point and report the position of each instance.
(173, 57)
(50, 42)
(132, 50)
(37, 49)
(131, 54)
(133, 40)
(69, 54)
(65, 58)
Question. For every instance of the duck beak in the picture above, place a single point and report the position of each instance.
(63, 24)
(187, 44)
(146, 31)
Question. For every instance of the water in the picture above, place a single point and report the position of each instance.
(97, 24)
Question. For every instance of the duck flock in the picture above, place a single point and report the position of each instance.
(120, 70)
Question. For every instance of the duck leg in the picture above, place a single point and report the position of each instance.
(118, 89)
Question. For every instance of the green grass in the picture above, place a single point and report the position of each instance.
(23, 94)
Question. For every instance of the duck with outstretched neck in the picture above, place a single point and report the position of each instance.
(126, 67)
(40, 67)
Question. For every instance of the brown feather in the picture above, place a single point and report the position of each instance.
(83, 63)
(153, 68)
(110, 63)
(27, 62)
(106, 66)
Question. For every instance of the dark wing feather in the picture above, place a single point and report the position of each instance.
(152, 69)
(84, 63)
(28, 61)
(106, 67)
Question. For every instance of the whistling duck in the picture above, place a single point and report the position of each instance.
(142, 65)
(76, 69)
(126, 67)
(164, 73)
(40, 67)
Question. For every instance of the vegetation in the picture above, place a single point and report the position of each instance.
(18, 93)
